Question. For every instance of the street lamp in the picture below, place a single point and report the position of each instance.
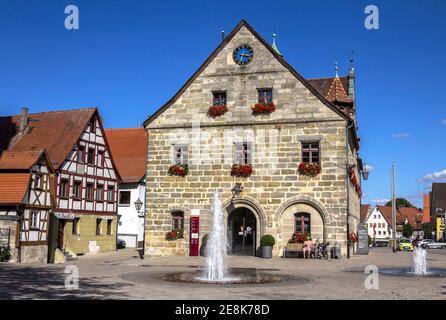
(138, 205)
(236, 190)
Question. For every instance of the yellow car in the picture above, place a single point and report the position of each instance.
(405, 244)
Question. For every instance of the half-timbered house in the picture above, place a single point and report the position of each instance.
(26, 200)
(85, 212)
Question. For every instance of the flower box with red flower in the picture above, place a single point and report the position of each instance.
(180, 170)
(263, 108)
(217, 111)
(310, 169)
(174, 235)
(241, 170)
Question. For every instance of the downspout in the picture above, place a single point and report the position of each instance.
(347, 178)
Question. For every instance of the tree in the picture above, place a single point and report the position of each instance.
(407, 230)
(427, 230)
(400, 202)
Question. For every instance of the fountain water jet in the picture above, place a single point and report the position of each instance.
(419, 261)
(216, 269)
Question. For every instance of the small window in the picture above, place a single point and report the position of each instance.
(75, 229)
(34, 220)
(265, 96)
(100, 158)
(89, 191)
(310, 152)
(243, 154)
(177, 220)
(124, 198)
(302, 223)
(90, 156)
(109, 227)
(77, 187)
(100, 192)
(38, 181)
(110, 194)
(63, 188)
(98, 227)
(219, 98)
(181, 154)
(80, 154)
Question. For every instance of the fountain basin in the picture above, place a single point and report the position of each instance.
(409, 272)
(237, 276)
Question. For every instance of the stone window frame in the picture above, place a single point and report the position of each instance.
(248, 155)
(177, 219)
(214, 98)
(308, 139)
(265, 89)
(184, 156)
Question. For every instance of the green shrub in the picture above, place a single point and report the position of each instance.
(5, 254)
(267, 241)
(204, 243)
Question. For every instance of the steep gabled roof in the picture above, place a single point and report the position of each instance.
(129, 150)
(55, 131)
(244, 23)
(323, 84)
(387, 214)
(13, 187)
(413, 215)
(337, 93)
(23, 160)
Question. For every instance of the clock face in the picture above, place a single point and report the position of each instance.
(243, 55)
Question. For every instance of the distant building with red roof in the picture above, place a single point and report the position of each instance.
(129, 150)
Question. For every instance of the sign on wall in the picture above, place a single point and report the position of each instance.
(363, 240)
(4, 237)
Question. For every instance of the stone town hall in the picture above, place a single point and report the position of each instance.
(272, 142)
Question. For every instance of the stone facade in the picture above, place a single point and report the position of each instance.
(275, 191)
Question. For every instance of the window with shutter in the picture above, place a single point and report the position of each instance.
(243, 153)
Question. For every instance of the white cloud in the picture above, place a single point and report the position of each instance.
(434, 176)
(401, 135)
(380, 201)
(369, 167)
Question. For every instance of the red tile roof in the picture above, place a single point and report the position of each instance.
(21, 160)
(337, 93)
(13, 187)
(129, 151)
(323, 85)
(387, 214)
(363, 212)
(413, 215)
(55, 131)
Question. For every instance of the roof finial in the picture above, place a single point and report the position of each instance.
(336, 69)
(274, 46)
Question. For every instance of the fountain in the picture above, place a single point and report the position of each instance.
(419, 261)
(216, 268)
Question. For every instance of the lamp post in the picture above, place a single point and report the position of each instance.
(138, 205)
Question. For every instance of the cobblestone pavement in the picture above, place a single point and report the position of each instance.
(123, 275)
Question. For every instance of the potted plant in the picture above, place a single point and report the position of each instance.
(204, 242)
(5, 254)
(310, 169)
(296, 243)
(180, 170)
(217, 111)
(263, 108)
(174, 235)
(241, 170)
(267, 242)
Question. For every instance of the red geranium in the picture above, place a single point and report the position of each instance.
(309, 168)
(263, 108)
(241, 170)
(216, 111)
(180, 170)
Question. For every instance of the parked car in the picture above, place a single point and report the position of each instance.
(424, 242)
(121, 244)
(405, 244)
(434, 245)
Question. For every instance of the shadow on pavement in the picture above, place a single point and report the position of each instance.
(19, 282)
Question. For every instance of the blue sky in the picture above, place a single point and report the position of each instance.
(129, 57)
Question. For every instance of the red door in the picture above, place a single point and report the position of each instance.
(194, 236)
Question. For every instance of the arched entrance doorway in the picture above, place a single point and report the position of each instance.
(242, 232)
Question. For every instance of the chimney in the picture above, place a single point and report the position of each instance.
(23, 120)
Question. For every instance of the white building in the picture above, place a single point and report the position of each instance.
(379, 223)
(129, 150)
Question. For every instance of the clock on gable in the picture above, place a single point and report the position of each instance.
(243, 54)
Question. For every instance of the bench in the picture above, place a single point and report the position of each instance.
(293, 250)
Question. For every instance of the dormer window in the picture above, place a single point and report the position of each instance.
(219, 98)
